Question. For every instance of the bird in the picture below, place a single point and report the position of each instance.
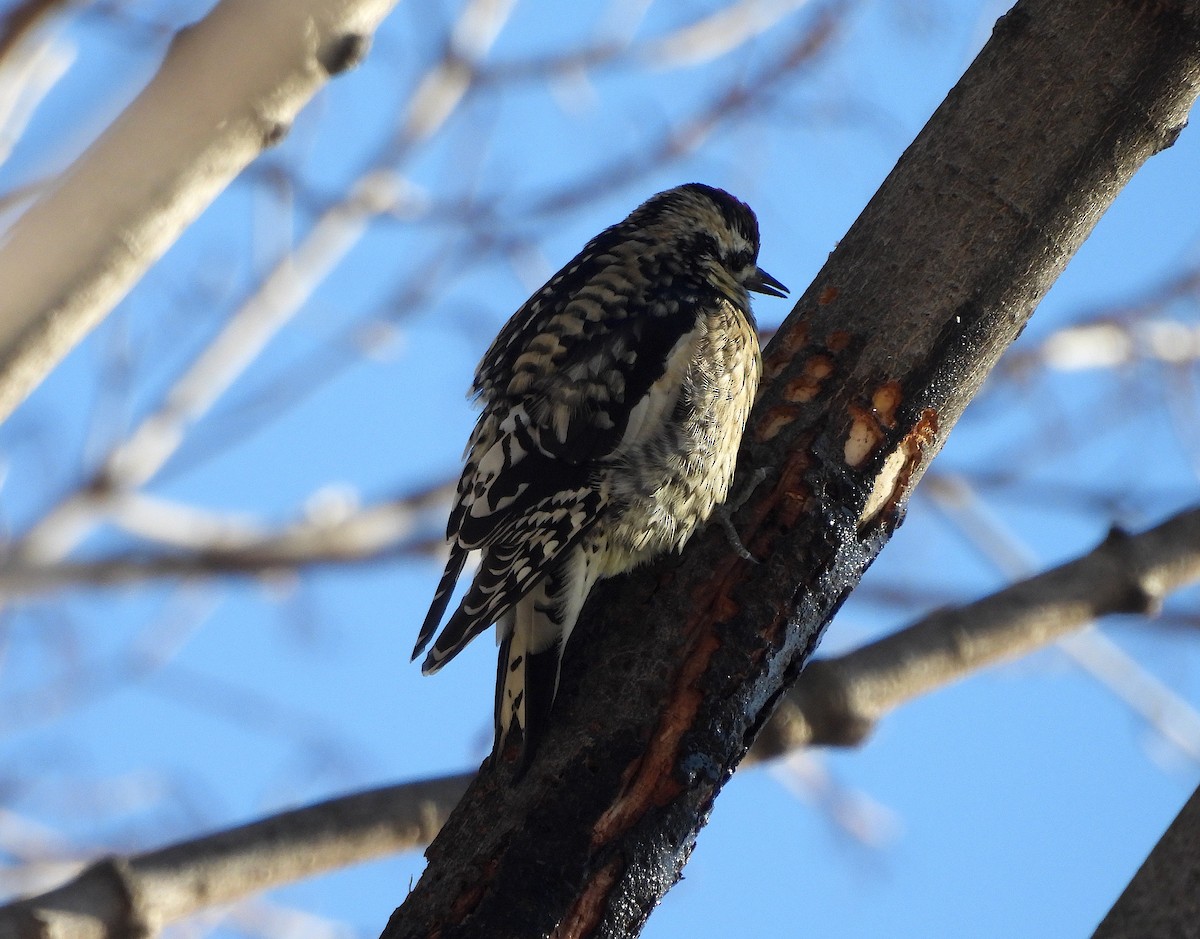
(613, 405)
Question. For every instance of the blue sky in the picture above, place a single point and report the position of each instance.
(1017, 802)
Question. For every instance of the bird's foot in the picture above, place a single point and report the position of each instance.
(724, 514)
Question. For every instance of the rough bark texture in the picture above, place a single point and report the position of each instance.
(686, 658)
(1163, 899)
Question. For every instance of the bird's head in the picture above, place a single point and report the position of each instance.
(707, 224)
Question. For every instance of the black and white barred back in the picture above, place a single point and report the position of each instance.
(614, 402)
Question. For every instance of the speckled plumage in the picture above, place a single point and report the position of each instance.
(614, 402)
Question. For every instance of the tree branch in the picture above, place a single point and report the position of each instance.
(21, 19)
(835, 703)
(1163, 899)
(205, 547)
(865, 379)
(139, 895)
(73, 255)
(839, 701)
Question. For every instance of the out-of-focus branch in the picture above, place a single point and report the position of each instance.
(694, 43)
(19, 21)
(839, 701)
(1122, 334)
(1113, 344)
(836, 703)
(735, 101)
(139, 895)
(214, 547)
(221, 96)
(1166, 712)
(31, 64)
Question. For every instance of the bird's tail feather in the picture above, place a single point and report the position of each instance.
(441, 599)
(526, 678)
(497, 588)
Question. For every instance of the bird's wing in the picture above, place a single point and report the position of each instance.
(561, 384)
(569, 404)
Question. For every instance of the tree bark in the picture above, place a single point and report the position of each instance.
(1163, 899)
(673, 670)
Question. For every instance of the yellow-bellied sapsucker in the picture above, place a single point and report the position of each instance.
(614, 402)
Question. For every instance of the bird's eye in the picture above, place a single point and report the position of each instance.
(740, 260)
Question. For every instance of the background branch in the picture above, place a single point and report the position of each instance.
(87, 240)
(835, 702)
(839, 701)
(139, 895)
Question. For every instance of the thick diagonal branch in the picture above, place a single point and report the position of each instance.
(934, 280)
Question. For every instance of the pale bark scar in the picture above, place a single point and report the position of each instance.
(893, 482)
(868, 425)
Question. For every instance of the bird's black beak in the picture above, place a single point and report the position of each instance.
(762, 282)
